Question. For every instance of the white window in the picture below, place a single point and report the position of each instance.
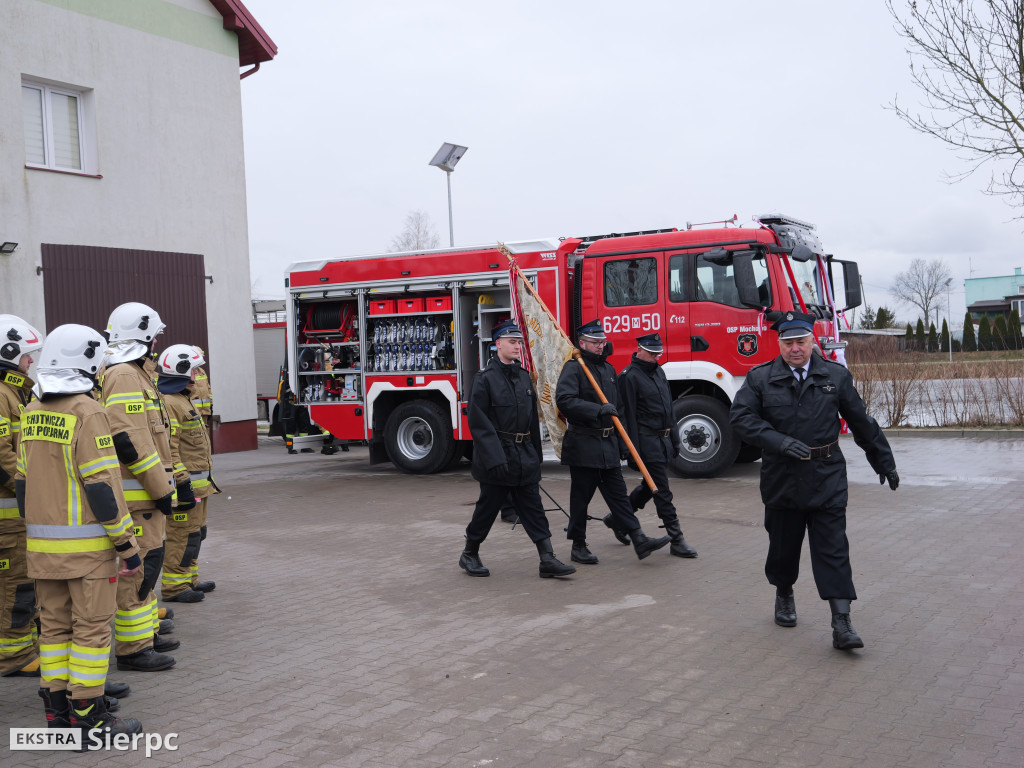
(58, 127)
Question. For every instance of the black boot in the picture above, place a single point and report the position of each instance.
(165, 627)
(188, 596)
(679, 546)
(785, 607)
(549, 564)
(580, 553)
(843, 635)
(90, 714)
(204, 586)
(643, 545)
(620, 534)
(55, 703)
(146, 660)
(113, 704)
(470, 560)
(165, 644)
(114, 688)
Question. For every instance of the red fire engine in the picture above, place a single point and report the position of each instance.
(383, 348)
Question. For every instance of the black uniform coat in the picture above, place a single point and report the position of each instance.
(647, 401)
(579, 403)
(772, 405)
(502, 400)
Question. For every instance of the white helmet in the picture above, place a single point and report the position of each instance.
(17, 338)
(71, 358)
(179, 360)
(133, 321)
(74, 347)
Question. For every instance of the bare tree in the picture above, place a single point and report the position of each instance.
(967, 59)
(418, 234)
(921, 284)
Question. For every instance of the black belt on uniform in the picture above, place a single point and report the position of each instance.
(604, 432)
(516, 436)
(822, 451)
(656, 432)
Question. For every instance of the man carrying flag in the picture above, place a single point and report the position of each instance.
(591, 447)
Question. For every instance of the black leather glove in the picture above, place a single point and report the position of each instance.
(608, 409)
(892, 477)
(164, 503)
(186, 496)
(795, 449)
(501, 472)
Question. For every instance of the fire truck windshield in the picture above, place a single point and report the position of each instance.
(808, 282)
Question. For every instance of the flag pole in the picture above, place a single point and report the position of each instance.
(578, 358)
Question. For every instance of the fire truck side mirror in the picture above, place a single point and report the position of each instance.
(718, 255)
(851, 283)
(801, 253)
(746, 283)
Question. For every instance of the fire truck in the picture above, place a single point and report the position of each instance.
(383, 348)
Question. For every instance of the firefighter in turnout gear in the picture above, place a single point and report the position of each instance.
(647, 405)
(68, 488)
(186, 528)
(507, 453)
(139, 430)
(19, 645)
(592, 448)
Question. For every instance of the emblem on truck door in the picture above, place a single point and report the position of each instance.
(746, 344)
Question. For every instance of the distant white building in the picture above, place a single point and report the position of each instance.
(122, 174)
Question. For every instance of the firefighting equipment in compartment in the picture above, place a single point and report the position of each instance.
(410, 344)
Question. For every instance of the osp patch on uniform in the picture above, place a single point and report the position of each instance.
(14, 379)
(134, 407)
(180, 517)
(49, 426)
(137, 530)
(5, 430)
(104, 441)
(5, 564)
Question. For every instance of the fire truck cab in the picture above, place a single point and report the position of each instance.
(383, 348)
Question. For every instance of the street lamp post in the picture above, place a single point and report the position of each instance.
(445, 159)
(949, 322)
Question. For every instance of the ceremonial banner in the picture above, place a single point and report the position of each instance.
(547, 350)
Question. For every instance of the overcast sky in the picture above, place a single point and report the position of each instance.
(590, 117)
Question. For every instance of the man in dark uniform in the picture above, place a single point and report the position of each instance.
(791, 409)
(647, 417)
(592, 448)
(507, 453)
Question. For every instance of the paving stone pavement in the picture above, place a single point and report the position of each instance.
(342, 632)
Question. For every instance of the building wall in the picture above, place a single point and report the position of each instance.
(164, 80)
(993, 288)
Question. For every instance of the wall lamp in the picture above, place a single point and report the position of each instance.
(8, 247)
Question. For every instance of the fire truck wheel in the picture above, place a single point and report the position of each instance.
(418, 438)
(709, 445)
